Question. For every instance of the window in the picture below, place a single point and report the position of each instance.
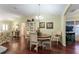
(3, 27)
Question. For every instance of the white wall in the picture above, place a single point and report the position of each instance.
(63, 24)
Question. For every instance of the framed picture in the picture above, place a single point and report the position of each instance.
(49, 25)
(42, 25)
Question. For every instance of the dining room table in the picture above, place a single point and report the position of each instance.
(43, 38)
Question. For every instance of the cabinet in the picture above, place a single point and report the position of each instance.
(70, 38)
(70, 32)
(31, 26)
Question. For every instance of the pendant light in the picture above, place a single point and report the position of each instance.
(39, 17)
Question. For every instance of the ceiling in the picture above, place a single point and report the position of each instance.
(72, 8)
(32, 9)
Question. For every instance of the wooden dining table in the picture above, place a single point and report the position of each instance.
(44, 38)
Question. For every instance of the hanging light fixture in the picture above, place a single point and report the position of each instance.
(39, 17)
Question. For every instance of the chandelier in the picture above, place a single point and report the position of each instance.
(39, 17)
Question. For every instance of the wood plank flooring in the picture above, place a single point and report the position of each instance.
(20, 46)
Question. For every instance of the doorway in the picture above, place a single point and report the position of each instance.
(77, 31)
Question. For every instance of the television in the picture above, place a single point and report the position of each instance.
(69, 28)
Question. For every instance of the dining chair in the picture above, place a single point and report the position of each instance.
(47, 44)
(56, 37)
(33, 41)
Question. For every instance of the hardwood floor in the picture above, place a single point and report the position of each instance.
(20, 46)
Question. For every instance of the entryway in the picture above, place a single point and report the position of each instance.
(77, 31)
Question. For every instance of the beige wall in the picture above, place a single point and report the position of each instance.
(10, 23)
(55, 19)
(48, 18)
(56, 24)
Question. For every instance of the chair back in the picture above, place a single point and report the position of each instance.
(33, 37)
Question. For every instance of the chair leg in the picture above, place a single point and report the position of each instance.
(36, 48)
(30, 47)
(57, 42)
(50, 45)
